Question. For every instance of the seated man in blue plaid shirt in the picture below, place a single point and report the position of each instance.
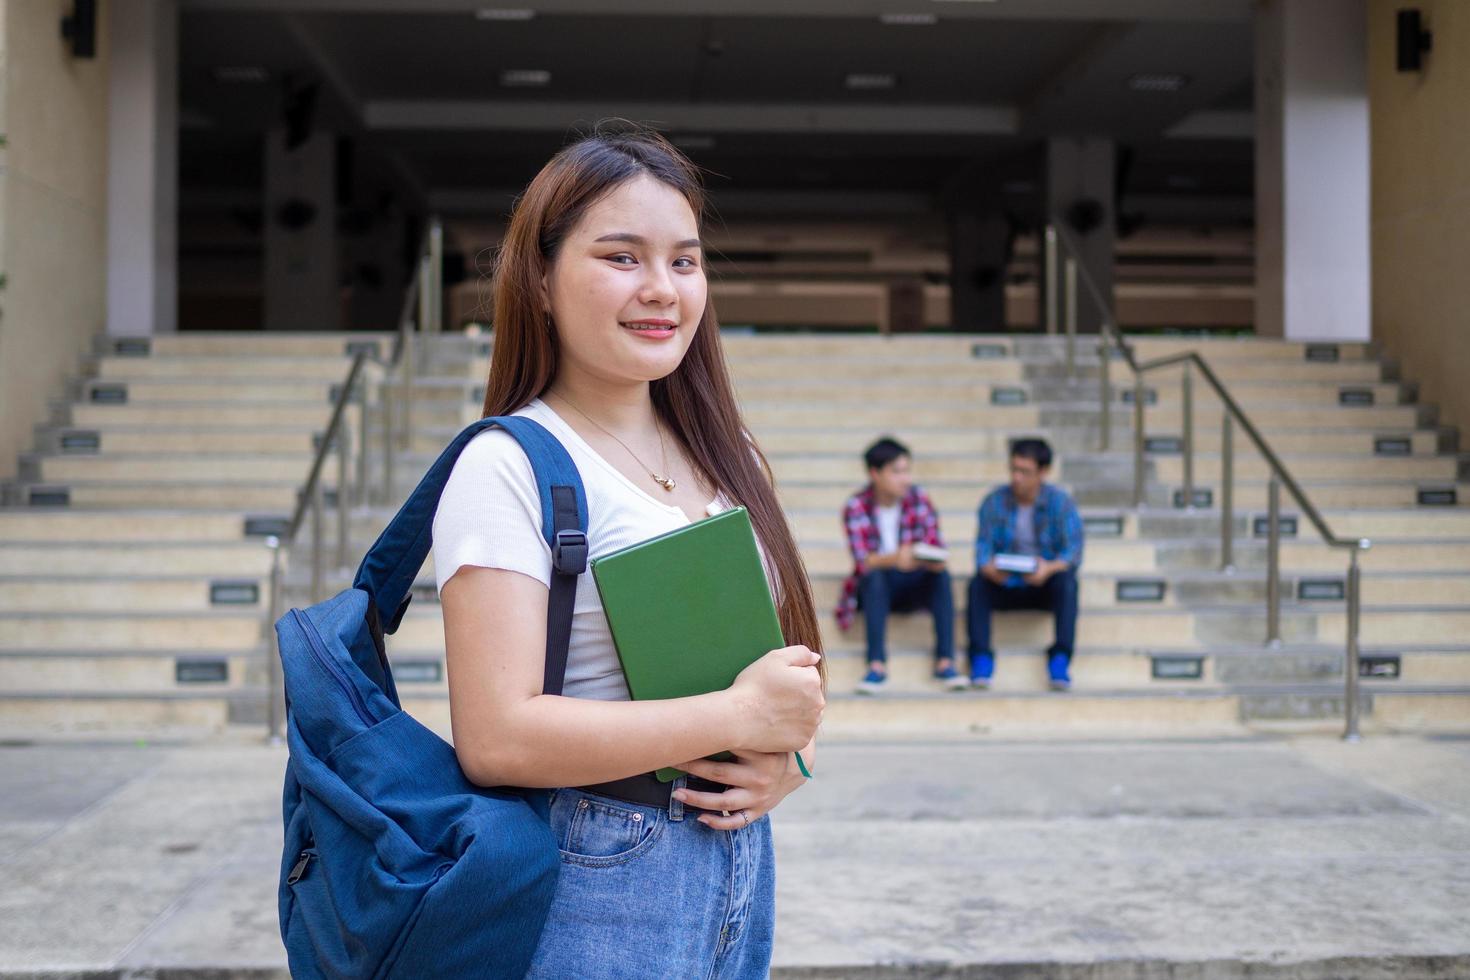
(1028, 522)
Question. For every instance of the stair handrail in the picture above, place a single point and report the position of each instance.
(1059, 238)
(421, 312)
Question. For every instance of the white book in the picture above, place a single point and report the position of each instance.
(1025, 564)
(929, 552)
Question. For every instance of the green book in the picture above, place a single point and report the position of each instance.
(689, 610)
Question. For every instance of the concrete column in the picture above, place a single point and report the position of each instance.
(1312, 170)
(1079, 196)
(143, 168)
(301, 287)
(378, 274)
(978, 246)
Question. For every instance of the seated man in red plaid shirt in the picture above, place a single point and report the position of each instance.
(885, 522)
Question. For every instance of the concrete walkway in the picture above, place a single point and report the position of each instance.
(1255, 857)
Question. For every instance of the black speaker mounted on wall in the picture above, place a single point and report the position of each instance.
(1413, 40)
(81, 29)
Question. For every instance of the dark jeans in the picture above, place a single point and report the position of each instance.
(1058, 596)
(889, 590)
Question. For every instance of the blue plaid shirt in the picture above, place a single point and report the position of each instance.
(1058, 526)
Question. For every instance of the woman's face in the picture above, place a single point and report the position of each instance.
(627, 289)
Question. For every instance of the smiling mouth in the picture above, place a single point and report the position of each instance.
(651, 326)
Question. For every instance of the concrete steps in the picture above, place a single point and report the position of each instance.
(1329, 495)
(83, 526)
(203, 630)
(985, 471)
(279, 494)
(1195, 589)
(86, 589)
(904, 391)
(1405, 554)
(1229, 370)
(326, 368)
(175, 467)
(278, 497)
(180, 440)
(190, 672)
(962, 525)
(139, 592)
(920, 412)
(1176, 713)
(1019, 670)
(310, 415)
(195, 343)
(943, 441)
(137, 605)
(1130, 668)
(194, 389)
(51, 557)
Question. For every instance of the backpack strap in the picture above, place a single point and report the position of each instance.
(568, 560)
(391, 564)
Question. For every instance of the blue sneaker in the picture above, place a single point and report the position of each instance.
(872, 682)
(1056, 668)
(982, 665)
(951, 679)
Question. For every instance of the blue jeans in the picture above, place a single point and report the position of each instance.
(889, 590)
(1058, 596)
(651, 892)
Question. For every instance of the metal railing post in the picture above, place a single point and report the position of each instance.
(275, 695)
(1273, 562)
(1069, 293)
(318, 532)
(344, 495)
(1186, 393)
(1138, 439)
(360, 480)
(434, 324)
(1227, 494)
(1050, 276)
(1106, 406)
(1354, 609)
(407, 371)
(426, 291)
(385, 397)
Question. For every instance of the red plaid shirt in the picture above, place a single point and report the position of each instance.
(917, 521)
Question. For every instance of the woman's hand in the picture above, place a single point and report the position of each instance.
(779, 700)
(757, 781)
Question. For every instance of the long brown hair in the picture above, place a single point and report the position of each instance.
(697, 401)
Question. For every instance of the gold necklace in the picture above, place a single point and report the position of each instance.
(667, 482)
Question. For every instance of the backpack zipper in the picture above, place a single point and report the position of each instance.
(325, 659)
(299, 869)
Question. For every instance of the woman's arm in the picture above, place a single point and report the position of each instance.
(507, 733)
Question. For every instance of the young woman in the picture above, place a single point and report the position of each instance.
(604, 333)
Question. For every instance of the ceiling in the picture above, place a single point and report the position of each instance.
(757, 92)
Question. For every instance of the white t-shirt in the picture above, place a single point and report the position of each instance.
(490, 515)
(887, 519)
(1026, 541)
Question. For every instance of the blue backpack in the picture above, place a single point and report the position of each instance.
(395, 865)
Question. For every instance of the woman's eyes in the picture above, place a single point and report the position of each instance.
(688, 263)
